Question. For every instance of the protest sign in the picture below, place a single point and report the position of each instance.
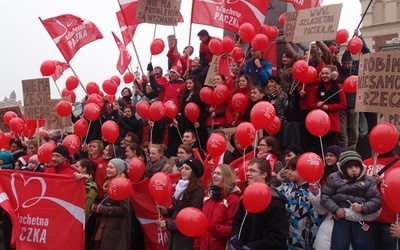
(290, 25)
(3, 126)
(379, 83)
(212, 71)
(393, 119)
(55, 121)
(164, 12)
(317, 24)
(36, 98)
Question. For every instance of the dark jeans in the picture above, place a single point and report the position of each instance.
(383, 239)
(346, 232)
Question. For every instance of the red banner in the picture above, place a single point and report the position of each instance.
(70, 33)
(44, 212)
(229, 14)
(124, 57)
(304, 4)
(60, 68)
(127, 31)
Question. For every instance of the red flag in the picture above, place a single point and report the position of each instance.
(70, 33)
(305, 4)
(230, 14)
(5, 203)
(60, 68)
(43, 202)
(127, 31)
(270, 55)
(124, 57)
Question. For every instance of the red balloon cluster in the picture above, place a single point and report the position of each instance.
(128, 77)
(246, 32)
(310, 167)
(228, 43)
(259, 42)
(256, 197)
(157, 46)
(8, 116)
(216, 145)
(65, 92)
(273, 127)
(191, 222)
(215, 46)
(110, 87)
(116, 79)
(237, 54)
(383, 137)
(390, 188)
(318, 122)
(160, 187)
(171, 110)
(156, 111)
(119, 188)
(17, 125)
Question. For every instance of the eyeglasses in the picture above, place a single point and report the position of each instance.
(262, 144)
(217, 173)
(252, 171)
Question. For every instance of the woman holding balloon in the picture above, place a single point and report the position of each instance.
(188, 193)
(240, 101)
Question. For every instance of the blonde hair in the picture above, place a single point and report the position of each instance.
(229, 178)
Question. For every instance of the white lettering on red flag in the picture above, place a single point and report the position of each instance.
(70, 33)
(304, 4)
(229, 14)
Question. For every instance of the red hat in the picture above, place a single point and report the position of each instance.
(177, 70)
(24, 159)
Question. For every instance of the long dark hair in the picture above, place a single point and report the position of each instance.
(194, 183)
(196, 90)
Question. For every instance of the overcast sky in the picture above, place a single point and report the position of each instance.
(25, 43)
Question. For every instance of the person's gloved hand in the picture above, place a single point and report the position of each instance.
(236, 244)
(149, 67)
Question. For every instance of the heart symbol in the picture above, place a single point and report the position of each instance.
(26, 182)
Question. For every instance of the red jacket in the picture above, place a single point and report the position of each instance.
(175, 57)
(100, 175)
(173, 90)
(219, 213)
(66, 168)
(387, 215)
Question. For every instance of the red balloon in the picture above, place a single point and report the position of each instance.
(192, 112)
(110, 87)
(221, 93)
(383, 137)
(160, 187)
(215, 46)
(44, 152)
(260, 42)
(299, 69)
(96, 99)
(239, 102)
(246, 32)
(110, 98)
(91, 111)
(350, 84)
(237, 53)
(191, 222)
(207, 95)
(28, 132)
(32, 124)
(318, 122)
(273, 33)
(8, 116)
(47, 68)
(228, 43)
(92, 88)
(101, 94)
(116, 79)
(65, 92)
(110, 131)
(64, 108)
(157, 46)
(273, 127)
(7, 138)
(17, 125)
(282, 19)
(81, 128)
(171, 110)
(142, 108)
(136, 169)
(72, 142)
(262, 114)
(390, 188)
(256, 197)
(216, 145)
(310, 75)
(245, 134)
(310, 167)
(265, 29)
(119, 188)
(156, 111)
(71, 83)
(128, 77)
(2, 138)
(341, 36)
(355, 45)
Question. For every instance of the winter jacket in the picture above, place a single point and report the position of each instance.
(260, 76)
(66, 168)
(265, 230)
(91, 192)
(279, 102)
(7, 159)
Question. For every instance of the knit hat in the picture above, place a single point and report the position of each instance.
(346, 57)
(334, 149)
(195, 165)
(120, 165)
(345, 158)
(24, 159)
(62, 150)
(296, 149)
(34, 159)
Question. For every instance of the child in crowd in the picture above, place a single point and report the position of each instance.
(350, 187)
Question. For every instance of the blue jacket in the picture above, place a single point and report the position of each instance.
(259, 76)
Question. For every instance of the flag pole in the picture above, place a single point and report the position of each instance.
(137, 57)
(55, 83)
(80, 82)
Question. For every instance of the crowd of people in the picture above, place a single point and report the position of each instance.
(344, 209)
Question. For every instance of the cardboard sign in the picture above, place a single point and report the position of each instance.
(290, 25)
(3, 126)
(317, 24)
(393, 119)
(36, 98)
(55, 121)
(379, 83)
(228, 133)
(164, 12)
(212, 71)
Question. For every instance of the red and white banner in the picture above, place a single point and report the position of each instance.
(229, 14)
(270, 55)
(70, 33)
(124, 57)
(60, 68)
(127, 31)
(46, 209)
(304, 4)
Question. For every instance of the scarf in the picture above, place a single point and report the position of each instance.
(215, 192)
(155, 167)
(180, 188)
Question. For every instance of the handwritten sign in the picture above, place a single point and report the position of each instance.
(290, 25)
(164, 12)
(55, 121)
(3, 125)
(212, 71)
(36, 98)
(317, 23)
(379, 83)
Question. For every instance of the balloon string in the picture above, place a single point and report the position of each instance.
(151, 133)
(244, 164)
(397, 240)
(375, 168)
(322, 149)
(179, 133)
(115, 151)
(241, 226)
(254, 147)
(198, 139)
(87, 132)
(337, 92)
(159, 228)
